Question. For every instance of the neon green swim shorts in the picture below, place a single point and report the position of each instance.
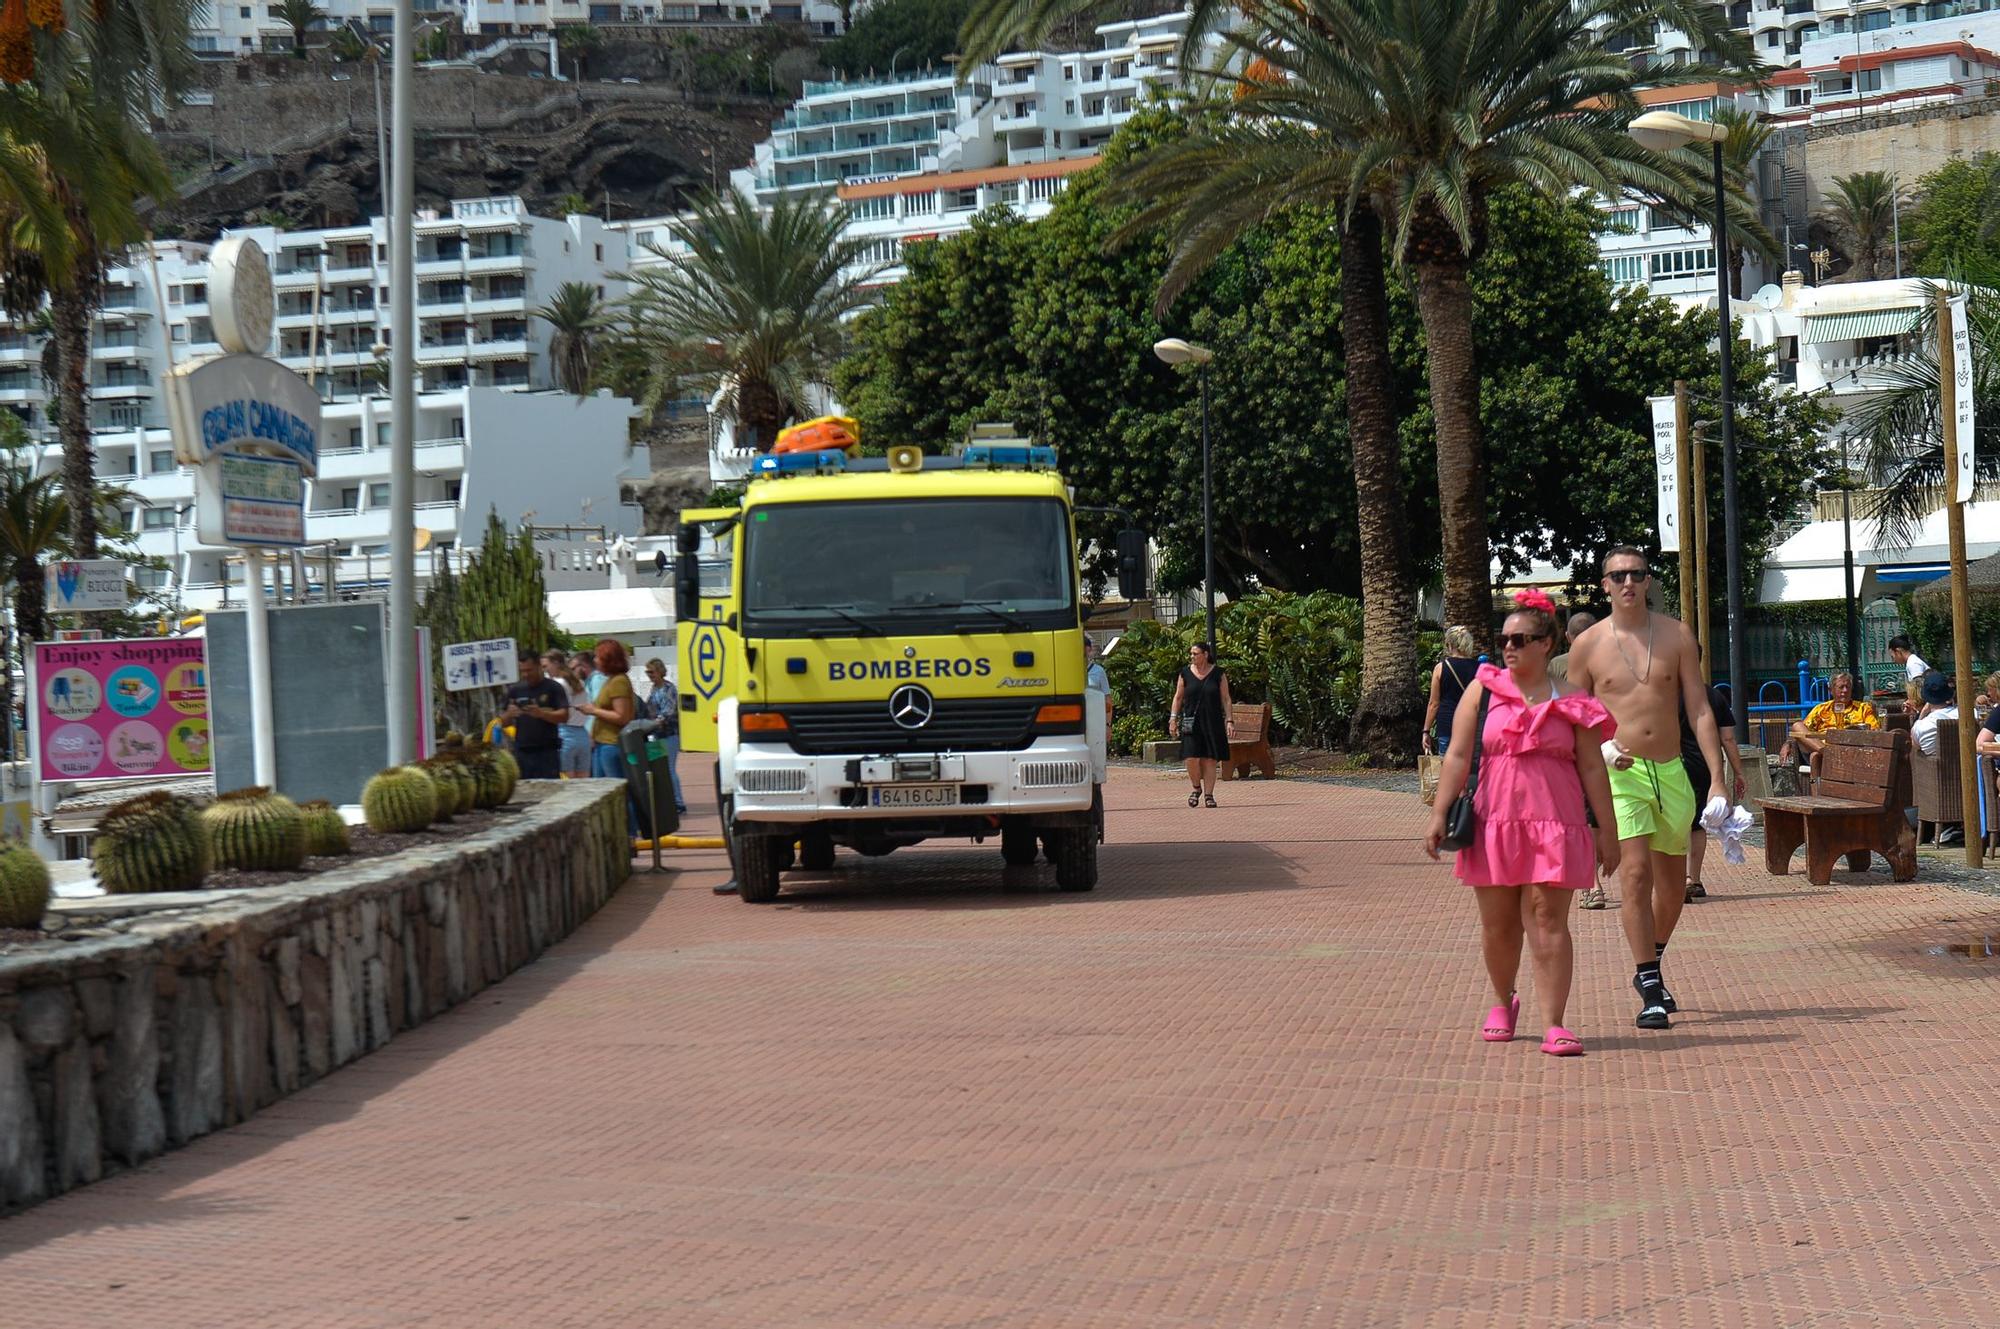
(1654, 802)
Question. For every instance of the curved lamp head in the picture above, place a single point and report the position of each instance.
(1663, 131)
(1177, 352)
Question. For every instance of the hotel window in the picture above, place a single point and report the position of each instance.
(156, 519)
(160, 462)
(879, 208)
(1624, 269)
(1623, 220)
(378, 495)
(1683, 262)
(924, 201)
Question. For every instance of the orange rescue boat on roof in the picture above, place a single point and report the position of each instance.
(821, 434)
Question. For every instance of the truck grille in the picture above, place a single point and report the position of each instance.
(965, 724)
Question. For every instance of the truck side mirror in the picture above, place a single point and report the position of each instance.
(1132, 565)
(687, 538)
(687, 587)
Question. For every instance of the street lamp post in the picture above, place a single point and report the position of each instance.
(1174, 351)
(1664, 131)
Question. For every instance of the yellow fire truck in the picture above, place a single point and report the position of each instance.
(886, 650)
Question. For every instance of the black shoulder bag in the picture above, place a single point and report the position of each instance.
(1461, 823)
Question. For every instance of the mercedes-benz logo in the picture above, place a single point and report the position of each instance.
(911, 707)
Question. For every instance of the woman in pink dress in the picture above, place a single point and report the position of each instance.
(1532, 851)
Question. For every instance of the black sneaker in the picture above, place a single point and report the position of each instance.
(726, 888)
(1667, 1002)
(1652, 1011)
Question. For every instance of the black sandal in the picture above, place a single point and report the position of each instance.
(1211, 800)
(1194, 799)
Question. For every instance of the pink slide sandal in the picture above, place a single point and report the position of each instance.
(1560, 1042)
(1500, 1021)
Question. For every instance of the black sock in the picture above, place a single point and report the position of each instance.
(1659, 950)
(1649, 975)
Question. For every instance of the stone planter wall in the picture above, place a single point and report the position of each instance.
(180, 1015)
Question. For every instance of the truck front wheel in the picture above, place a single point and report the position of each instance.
(758, 861)
(1075, 853)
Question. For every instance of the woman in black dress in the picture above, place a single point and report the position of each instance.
(1201, 720)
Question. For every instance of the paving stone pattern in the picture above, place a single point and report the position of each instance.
(1239, 1084)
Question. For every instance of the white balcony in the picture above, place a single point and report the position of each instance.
(501, 304)
(349, 276)
(122, 351)
(299, 279)
(345, 316)
(305, 318)
(20, 353)
(506, 348)
(438, 455)
(496, 263)
(120, 391)
(441, 353)
(22, 394)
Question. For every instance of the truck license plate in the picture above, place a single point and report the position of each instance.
(915, 796)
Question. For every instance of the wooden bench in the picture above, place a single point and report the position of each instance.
(1253, 718)
(1857, 810)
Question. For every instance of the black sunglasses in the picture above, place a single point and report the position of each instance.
(1517, 641)
(1628, 574)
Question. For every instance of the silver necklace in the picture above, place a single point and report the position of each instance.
(1647, 676)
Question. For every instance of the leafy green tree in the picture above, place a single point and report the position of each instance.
(575, 315)
(499, 593)
(908, 34)
(752, 303)
(1952, 227)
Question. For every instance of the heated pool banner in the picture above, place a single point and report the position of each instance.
(119, 710)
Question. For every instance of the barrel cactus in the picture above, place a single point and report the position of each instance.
(150, 843)
(326, 829)
(255, 829)
(489, 785)
(24, 886)
(504, 762)
(400, 798)
(454, 784)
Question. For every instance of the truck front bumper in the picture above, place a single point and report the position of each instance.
(773, 783)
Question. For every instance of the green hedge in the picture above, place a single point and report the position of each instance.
(1301, 653)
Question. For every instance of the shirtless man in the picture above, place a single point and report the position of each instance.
(1644, 667)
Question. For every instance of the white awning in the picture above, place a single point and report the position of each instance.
(1859, 323)
(637, 615)
(1797, 585)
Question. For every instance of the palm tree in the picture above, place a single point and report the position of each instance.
(575, 315)
(33, 514)
(1902, 433)
(753, 304)
(1425, 110)
(1861, 214)
(1209, 189)
(300, 15)
(82, 122)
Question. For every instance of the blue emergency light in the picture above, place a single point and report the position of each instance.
(1021, 456)
(797, 463)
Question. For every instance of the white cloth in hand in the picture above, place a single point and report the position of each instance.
(1738, 822)
(1713, 815)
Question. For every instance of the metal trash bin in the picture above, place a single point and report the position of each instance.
(649, 779)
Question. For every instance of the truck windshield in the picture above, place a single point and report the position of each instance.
(944, 564)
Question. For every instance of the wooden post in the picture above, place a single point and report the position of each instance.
(1686, 497)
(1698, 490)
(1961, 597)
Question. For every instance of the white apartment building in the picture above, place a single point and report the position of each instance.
(1644, 244)
(1897, 79)
(483, 375)
(482, 271)
(1780, 31)
(873, 129)
(545, 457)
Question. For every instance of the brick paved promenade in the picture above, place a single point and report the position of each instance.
(1240, 1084)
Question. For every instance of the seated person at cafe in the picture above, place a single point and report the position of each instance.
(1840, 711)
(1938, 704)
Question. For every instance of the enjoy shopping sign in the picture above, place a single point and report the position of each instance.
(119, 710)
